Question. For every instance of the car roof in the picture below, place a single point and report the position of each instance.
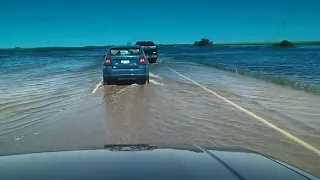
(125, 46)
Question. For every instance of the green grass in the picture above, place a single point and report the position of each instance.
(246, 43)
(306, 42)
(272, 43)
(52, 48)
(281, 80)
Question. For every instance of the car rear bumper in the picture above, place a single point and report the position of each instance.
(124, 74)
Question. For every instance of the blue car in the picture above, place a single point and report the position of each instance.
(125, 63)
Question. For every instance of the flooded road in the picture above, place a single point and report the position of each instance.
(62, 113)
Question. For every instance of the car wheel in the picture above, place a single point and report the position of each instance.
(154, 60)
(108, 82)
(142, 81)
(111, 82)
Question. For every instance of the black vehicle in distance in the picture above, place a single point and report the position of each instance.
(150, 49)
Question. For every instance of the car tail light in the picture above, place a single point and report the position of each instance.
(142, 60)
(107, 61)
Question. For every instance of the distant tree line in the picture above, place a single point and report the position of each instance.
(203, 42)
(207, 42)
(284, 43)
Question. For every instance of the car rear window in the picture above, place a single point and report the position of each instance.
(145, 43)
(124, 51)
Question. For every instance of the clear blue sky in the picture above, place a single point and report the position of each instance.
(34, 23)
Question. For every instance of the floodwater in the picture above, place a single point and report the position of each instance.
(47, 104)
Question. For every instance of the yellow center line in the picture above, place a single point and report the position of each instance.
(260, 119)
(97, 86)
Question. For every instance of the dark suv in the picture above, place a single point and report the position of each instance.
(150, 49)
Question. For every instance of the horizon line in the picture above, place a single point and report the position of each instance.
(316, 42)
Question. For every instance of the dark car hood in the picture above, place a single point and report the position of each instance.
(164, 163)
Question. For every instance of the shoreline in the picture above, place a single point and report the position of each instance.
(315, 43)
(311, 87)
